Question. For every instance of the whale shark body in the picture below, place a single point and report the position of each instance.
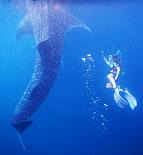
(48, 23)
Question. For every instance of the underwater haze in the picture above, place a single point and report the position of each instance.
(79, 116)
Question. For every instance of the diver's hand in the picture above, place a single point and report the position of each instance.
(115, 78)
(102, 52)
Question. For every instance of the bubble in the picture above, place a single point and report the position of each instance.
(96, 106)
(88, 55)
(106, 105)
(102, 116)
(83, 59)
(93, 117)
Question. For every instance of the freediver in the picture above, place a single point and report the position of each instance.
(114, 62)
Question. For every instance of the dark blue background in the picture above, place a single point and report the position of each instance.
(62, 125)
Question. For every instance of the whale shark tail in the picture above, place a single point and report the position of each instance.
(21, 127)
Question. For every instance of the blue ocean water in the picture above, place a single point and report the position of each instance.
(68, 123)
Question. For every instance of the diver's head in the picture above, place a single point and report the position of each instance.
(110, 57)
(117, 57)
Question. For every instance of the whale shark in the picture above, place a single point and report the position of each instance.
(47, 22)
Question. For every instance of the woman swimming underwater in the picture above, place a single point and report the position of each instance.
(114, 62)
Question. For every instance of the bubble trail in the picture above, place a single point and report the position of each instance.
(97, 108)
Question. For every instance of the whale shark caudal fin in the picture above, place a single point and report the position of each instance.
(21, 141)
(21, 127)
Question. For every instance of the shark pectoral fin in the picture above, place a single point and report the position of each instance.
(76, 23)
(69, 22)
(24, 27)
(79, 24)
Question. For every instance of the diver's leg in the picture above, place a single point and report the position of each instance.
(111, 80)
(117, 97)
(109, 85)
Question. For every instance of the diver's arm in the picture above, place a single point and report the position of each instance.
(105, 59)
(118, 72)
